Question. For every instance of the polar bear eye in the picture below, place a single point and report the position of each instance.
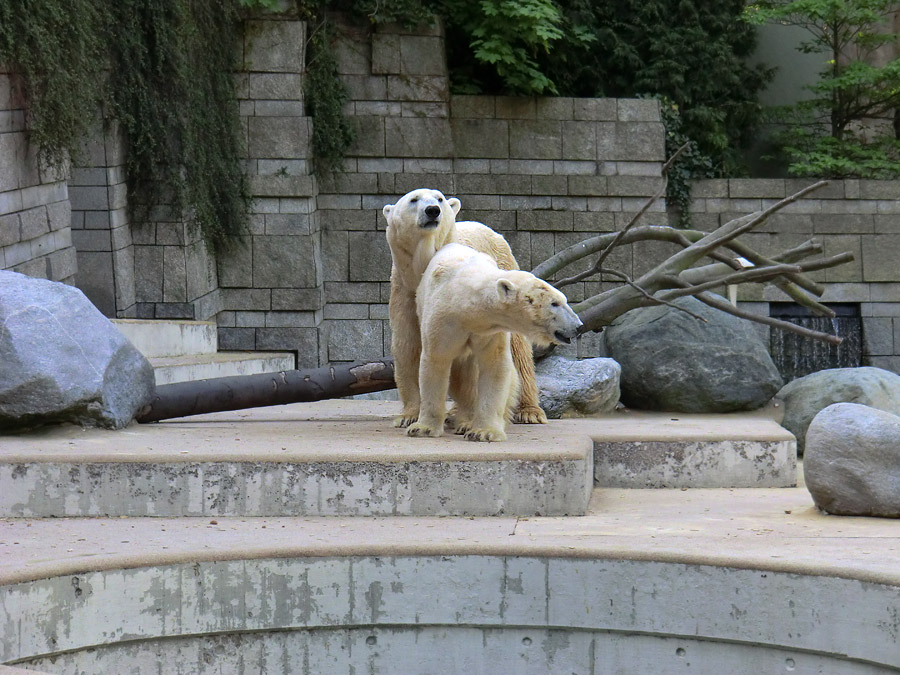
(440, 200)
(554, 304)
(413, 200)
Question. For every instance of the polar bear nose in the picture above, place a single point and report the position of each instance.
(432, 211)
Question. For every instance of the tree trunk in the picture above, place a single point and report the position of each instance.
(258, 391)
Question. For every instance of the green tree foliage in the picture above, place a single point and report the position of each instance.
(831, 133)
(692, 52)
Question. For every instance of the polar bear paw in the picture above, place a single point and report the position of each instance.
(529, 415)
(485, 434)
(419, 429)
(404, 421)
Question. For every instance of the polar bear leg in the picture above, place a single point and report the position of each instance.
(434, 381)
(406, 349)
(463, 378)
(529, 409)
(495, 388)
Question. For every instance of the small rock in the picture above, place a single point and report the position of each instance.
(573, 388)
(805, 397)
(852, 463)
(61, 360)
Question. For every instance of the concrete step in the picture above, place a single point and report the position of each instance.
(156, 338)
(171, 369)
(322, 459)
(634, 449)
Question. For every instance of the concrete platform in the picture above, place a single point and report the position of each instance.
(742, 581)
(190, 367)
(325, 459)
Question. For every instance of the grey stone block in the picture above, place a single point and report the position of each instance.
(544, 221)
(174, 274)
(95, 279)
(410, 137)
(92, 240)
(236, 339)
(148, 267)
(385, 54)
(417, 88)
(628, 186)
(536, 139)
(771, 188)
(638, 110)
(370, 256)
(878, 336)
(238, 299)
(549, 185)
(274, 255)
(421, 55)
(274, 46)
(588, 185)
(335, 256)
(10, 229)
(879, 257)
(89, 198)
(480, 138)
(595, 109)
(278, 109)
(279, 137)
(554, 108)
(304, 341)
(515, 107)
(64, 265)
(643, 141)
(472, 106)
(579, 140)
(275, 86)
(10, 145)
(354, 292)
(292, 299)
(354, 340)
(370, 137)
(879, 189)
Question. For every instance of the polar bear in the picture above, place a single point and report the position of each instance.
(420, 223)
(467, 307)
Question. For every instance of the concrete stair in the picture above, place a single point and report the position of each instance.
(181, 351)
(343, 458)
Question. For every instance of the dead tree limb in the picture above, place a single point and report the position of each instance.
(184, 399)
(679, 275)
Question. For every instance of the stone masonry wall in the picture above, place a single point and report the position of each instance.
(859, 216)
(543, 172)
(35, 228)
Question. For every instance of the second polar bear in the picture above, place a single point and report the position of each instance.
(467, 307)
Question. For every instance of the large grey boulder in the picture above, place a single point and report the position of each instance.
(673, 361)
(61, 360)
(852, 463)
(806, 396)
(571, 388)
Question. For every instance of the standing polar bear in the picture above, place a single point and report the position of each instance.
(467, 307)
(419, 224)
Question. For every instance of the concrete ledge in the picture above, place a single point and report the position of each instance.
(451, 613)
(155, 338)
(675, 450)
(284, 464)
(186, 368)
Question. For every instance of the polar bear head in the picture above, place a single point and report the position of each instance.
(421, 210)
(540, 311)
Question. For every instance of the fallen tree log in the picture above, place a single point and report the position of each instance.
(184, 399)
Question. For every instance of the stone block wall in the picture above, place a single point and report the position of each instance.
(859, 216)
(101, 228)
(546, 173)
(35, 224)
(271, 282)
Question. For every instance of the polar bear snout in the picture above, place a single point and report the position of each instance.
(432, 211)
(571, 324)
(430, 217)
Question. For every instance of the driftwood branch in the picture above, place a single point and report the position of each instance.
(184, 399)
(733, 263)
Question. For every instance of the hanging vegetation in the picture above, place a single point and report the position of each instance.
(163, 70)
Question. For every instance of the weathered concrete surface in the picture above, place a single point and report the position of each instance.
(337, 458)
(634, 449)
(736, 581)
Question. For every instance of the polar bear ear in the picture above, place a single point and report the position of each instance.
(506, 289)
(387, 211)
(455, 204)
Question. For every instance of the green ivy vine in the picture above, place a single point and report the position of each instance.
(163, 70)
